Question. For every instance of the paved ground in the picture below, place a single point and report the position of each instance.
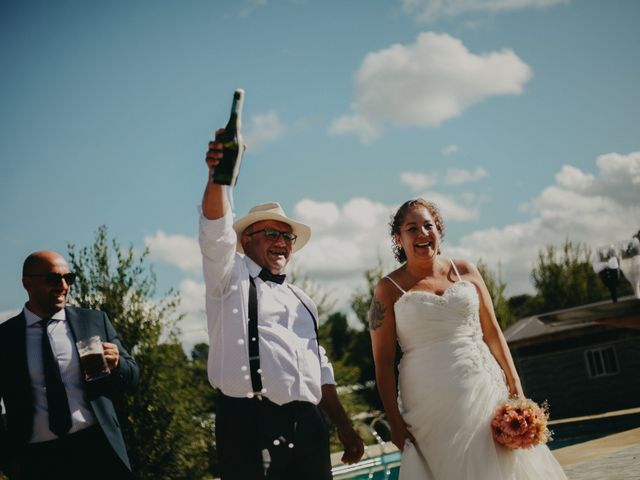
(616, 457)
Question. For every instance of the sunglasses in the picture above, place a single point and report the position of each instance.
(274, 235)
(53, 279)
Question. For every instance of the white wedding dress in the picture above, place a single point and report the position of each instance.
(450, 387)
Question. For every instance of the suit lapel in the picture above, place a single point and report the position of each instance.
(17, 348)
(15, 372)
(78, 327)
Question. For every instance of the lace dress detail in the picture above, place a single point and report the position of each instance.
(450, 385)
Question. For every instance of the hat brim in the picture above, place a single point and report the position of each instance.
(302, 231)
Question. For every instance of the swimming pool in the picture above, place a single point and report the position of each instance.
(379, 467)
(382, 461)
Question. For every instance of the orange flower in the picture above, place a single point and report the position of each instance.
(521, 424)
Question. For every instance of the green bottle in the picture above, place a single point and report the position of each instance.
(226, 172)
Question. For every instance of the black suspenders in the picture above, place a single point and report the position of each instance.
(254, 343)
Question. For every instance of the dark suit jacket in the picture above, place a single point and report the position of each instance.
(15, 383)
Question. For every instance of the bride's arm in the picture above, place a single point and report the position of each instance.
(492, 334)
(382, 328)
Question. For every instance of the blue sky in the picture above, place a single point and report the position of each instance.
(519, 117)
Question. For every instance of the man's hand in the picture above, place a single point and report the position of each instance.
(352, 443)
(111, 354)
(214, 154)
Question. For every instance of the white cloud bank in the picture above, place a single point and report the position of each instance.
(7, 314)
(453, 176)
(348, 239)
(426, 83)
(178, 250)
(431, 10)
(450, 150)
(595, 209)
(263, 129)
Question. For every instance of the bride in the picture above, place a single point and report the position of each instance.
(456, 368)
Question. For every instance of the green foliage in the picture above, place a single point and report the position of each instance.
(361, 301)
(496, 288)
(360, 352)
(524, 305)
(167, 422)
(320, 297)
(336, 336)
(349, 350)
(564, 278)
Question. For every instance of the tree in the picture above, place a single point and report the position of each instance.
(167, 422)
(359, 351)
(524, 305)
(565, 278)
(320, 297)
(496, 288)
(349, 350)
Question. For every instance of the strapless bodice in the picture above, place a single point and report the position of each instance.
(424, 317)
(444, 331)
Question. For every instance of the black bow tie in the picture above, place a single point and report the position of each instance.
(267, 276)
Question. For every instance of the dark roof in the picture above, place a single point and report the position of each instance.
(573, 321)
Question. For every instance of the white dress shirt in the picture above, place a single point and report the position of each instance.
(293, 366)
(66, 354)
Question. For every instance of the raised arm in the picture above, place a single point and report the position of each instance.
(214, 201)
(491, 332)
(382, 328)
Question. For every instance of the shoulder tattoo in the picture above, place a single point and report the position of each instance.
(376, 314)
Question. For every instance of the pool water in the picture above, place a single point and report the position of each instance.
(383, 467)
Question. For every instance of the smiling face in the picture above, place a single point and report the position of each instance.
(419, 237)
(45, 298)
(270, 254)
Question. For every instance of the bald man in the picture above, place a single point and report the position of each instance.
(56, 423)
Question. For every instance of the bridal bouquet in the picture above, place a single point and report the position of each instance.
(521, 423)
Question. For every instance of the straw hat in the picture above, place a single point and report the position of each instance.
(272, 211)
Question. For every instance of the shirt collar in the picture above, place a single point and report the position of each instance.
(32, 318)
(253, 267)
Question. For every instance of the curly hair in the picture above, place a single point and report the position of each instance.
(398, 218)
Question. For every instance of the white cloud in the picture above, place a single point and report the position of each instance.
(426, 83)
(573, 178)
(320, 214)
(452, 210)
(449, 150)
(418, 181)
(7, 314)
(350, 242)
(263, 129)
(595, 209)
(194, 325)
(453, 176)
(177, 250)
(251, 6)
(430, 10)
(456, 176)
(355, 124)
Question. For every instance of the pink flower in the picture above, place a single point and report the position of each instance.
(521, 423)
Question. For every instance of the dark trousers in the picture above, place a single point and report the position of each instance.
(260, 440)
(81, 455)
